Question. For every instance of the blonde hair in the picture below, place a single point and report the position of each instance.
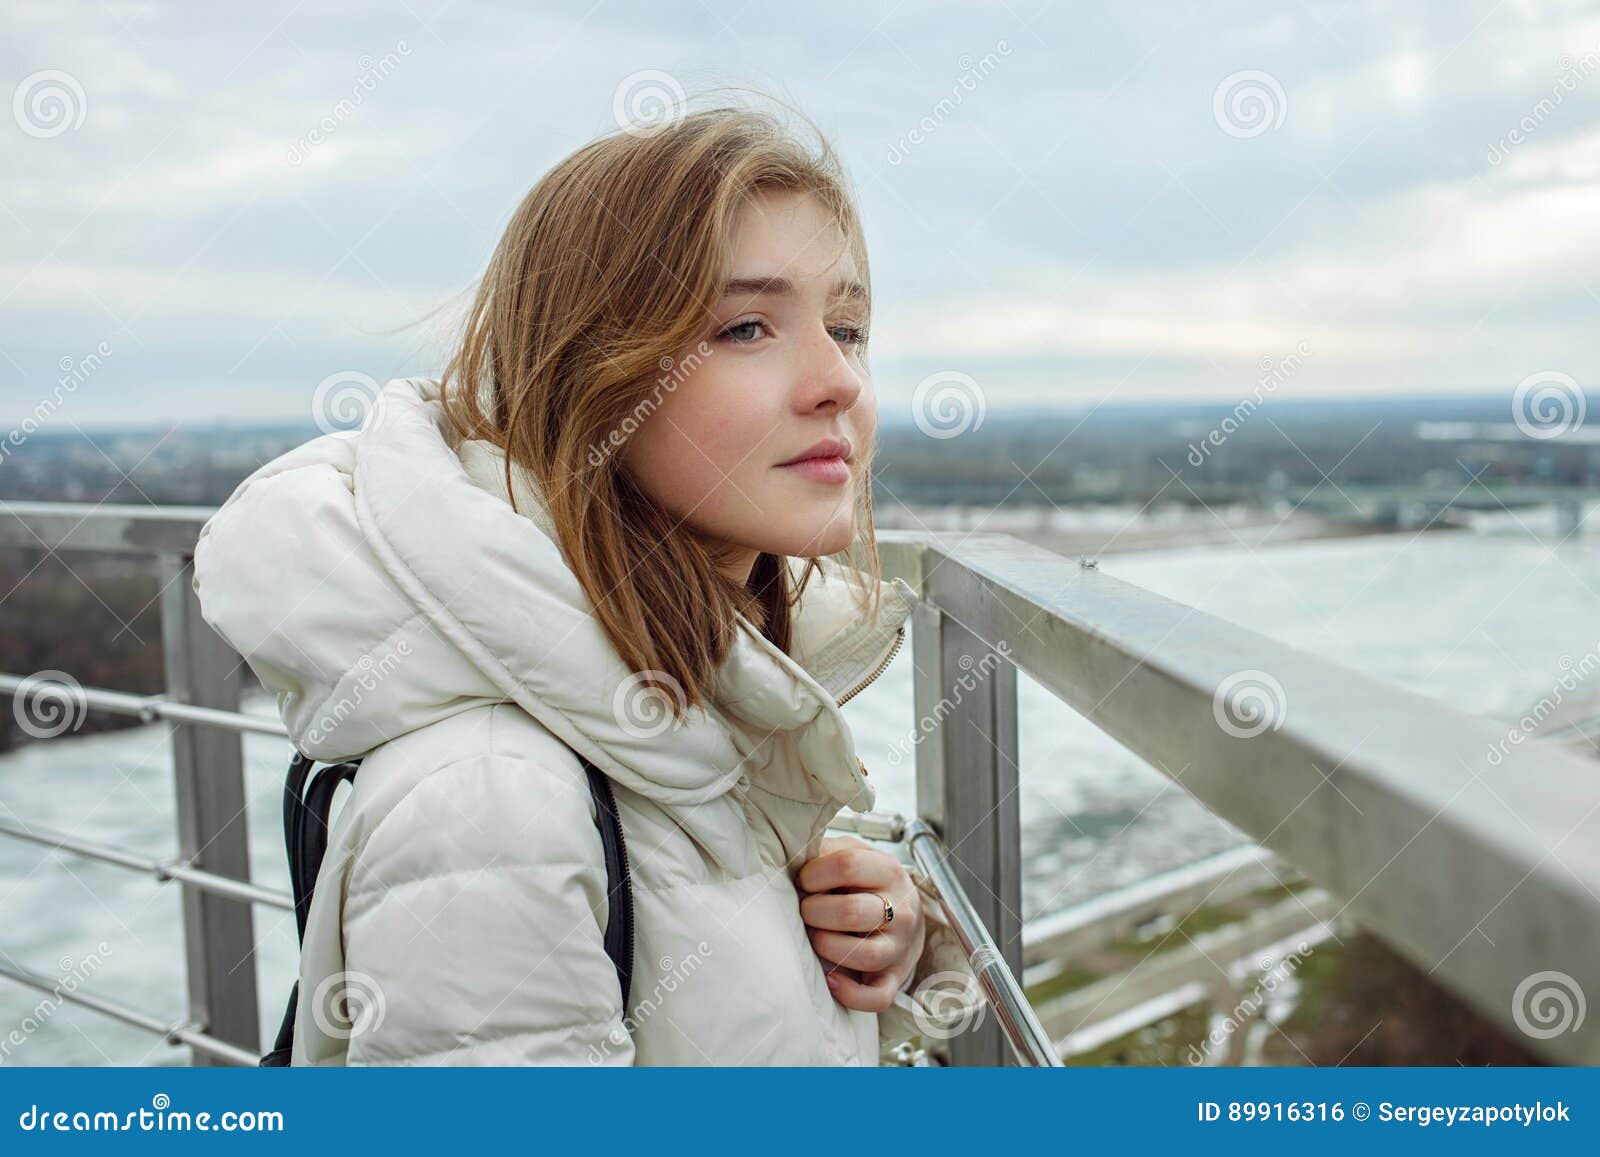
(607, 269)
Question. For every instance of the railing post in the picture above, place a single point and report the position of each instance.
(208, 763)
(967, 789)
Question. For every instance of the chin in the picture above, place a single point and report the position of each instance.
(811, 544)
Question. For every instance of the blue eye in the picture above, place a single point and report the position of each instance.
(732, 332)
(746, 332)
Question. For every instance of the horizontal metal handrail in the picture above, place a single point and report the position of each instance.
(178, 870)
(146, 707)
(1466, 851)
(884, 827)
(180, 1033)
(102, 527)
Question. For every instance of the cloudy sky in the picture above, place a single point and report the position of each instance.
(216, 207)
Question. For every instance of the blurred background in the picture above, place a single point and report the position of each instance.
(1282, 311)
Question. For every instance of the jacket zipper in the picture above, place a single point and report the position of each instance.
(627, 900)
(627, 908)
(858, 688)
(899, 638)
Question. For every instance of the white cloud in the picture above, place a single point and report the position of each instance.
(1404, 277)
(176, 209)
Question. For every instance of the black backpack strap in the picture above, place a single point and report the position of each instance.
(307, 800)
(311, 835)
(305, 835)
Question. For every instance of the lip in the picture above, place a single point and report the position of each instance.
(828, 448)
(827, 461)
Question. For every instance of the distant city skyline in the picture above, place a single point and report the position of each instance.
(1063, 208)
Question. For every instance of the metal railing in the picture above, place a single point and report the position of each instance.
(1474, 854)
(1026, 1037)
(1480, 871)
(202, 677)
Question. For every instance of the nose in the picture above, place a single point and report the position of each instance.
(828, 379)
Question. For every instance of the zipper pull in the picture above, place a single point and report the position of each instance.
(861, 765)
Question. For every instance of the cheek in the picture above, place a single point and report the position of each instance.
(864, 414)
(705, 435)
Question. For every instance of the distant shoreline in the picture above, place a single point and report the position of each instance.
(1114, 530)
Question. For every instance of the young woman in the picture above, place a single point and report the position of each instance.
(601, 531)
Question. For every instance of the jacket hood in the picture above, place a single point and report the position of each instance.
(379, 580)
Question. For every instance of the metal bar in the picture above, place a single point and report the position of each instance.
(998, 980)
(967, 774)
(151, 707)
(182, 1033)
(161, 870)
(1014, 1016)
(219, 933)
(1476, 855)
(886, 827)
(101, 528)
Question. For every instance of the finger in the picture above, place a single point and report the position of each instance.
(849, 868)
(843, 911)
(834, 843)
(875, 993)
(863, 953)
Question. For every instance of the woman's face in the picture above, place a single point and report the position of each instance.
(778, 371)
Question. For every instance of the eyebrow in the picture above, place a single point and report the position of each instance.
(778, 286)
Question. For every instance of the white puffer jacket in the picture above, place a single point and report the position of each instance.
(382, 586)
